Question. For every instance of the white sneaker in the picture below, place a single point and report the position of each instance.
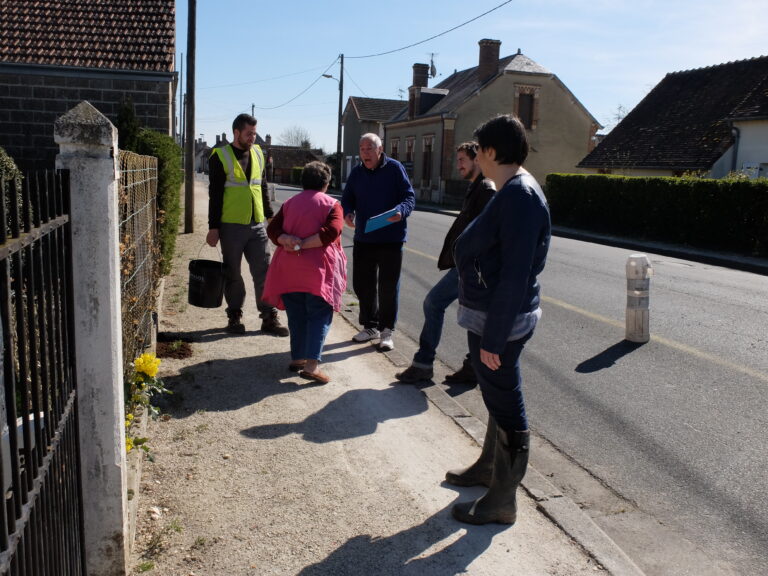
(366, 334)
(386, 343)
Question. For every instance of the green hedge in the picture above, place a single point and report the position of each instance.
(296, 174)
(170, 178)
(729, 214)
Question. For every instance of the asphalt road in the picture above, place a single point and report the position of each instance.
(672, 433)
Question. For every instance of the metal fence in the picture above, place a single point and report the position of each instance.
(41, 523)
(139, 251)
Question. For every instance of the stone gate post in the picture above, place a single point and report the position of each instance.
(88, 149)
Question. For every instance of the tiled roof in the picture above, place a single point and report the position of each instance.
(376, 109)
(682, 124)
(136, 35)
(461, 85)
(755, 105)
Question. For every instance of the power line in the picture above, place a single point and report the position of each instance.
(432, 37)
(316, 80)
(346, 73)
(262, 80)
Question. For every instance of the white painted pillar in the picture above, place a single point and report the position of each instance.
(88, 149)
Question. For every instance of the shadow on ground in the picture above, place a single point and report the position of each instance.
(439, 545)
(355, 413)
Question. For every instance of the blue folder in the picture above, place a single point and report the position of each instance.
(379, 221)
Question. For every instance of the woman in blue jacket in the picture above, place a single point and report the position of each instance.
(498, 258)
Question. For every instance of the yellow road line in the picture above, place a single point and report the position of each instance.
(679, 346)
(429, 256)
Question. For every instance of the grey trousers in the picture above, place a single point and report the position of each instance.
(251, 241)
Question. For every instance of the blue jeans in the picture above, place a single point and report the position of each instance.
(442, 295)
(502, 389)
(309, 319)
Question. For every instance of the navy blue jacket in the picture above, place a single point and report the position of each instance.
(371, 192)
(499, 256)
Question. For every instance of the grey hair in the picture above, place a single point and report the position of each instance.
(371, 137)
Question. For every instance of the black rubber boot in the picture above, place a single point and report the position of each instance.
(479, 474)
(235, 324)
(499, 504)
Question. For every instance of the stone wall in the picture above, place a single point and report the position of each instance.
(30, 101)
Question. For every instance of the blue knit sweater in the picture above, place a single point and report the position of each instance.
(372, 192)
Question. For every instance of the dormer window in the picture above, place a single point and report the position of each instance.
(527, 105)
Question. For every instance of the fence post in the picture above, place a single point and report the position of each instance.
(88, 149)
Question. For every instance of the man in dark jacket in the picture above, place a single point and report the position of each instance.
(378, 186)
(446, 291)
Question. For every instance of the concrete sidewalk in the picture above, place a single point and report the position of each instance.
(257, 471)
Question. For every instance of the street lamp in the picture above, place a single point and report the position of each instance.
(338, 133)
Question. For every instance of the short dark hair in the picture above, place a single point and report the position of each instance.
(506, 135)
(241, 121)
(469, 148)
(315, 176)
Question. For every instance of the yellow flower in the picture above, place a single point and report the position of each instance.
(128, 444)
(147, 364)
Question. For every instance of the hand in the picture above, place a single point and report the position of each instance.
(350, 219)
(212, 238)
(490, 359)
(289, 242)
(395, 218)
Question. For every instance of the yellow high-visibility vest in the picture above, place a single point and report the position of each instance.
(242, 198)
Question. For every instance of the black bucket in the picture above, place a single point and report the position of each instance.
(206, 283)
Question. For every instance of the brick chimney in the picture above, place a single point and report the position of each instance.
(489, 59)
(268, 140)
(420, 79)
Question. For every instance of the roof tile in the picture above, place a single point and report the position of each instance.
(134, 35)
(682, 124)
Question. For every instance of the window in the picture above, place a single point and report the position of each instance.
(525, 110)
(394, 148)
(426, 166)
(409, 149)
(527, 105)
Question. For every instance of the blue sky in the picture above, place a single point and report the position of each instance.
(609, 53)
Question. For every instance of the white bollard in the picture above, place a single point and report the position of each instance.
(639, 274)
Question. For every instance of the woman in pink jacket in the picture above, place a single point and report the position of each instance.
(308, 273)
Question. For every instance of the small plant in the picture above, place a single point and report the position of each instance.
(143, 386)
(145, 566)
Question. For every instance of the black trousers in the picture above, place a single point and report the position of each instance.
(376, 281)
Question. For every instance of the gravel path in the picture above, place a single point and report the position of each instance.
(257, 471)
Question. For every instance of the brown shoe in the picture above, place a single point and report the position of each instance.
(318, 376)
(271, 325)
(414, 374)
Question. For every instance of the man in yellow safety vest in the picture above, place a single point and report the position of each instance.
(238, 205)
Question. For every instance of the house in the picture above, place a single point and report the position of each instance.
(363, 116)
(424, 135)
(709, 121)
(203, 151)
(56, 53)
(281, 160)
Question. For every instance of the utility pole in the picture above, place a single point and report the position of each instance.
(338, 134)
(253, 109)
(182, 109)
(189, 167)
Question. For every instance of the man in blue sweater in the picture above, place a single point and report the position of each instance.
(377, 185)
